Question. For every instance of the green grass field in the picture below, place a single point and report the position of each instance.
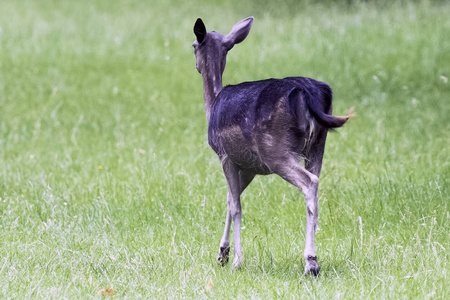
(107, 180)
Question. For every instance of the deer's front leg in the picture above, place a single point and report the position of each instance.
(243, 181)
(234, 209)
(224, 249)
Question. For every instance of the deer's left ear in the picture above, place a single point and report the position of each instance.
(239, 32)
(200, 30)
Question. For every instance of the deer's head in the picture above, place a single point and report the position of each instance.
(211, 48)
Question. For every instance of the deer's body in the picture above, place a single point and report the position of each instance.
(263, 127)
(252, 123)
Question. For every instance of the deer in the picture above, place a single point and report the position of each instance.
(272, 126)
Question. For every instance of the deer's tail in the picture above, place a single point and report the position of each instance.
(316, 109)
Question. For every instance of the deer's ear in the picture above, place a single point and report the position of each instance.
(239, 32)
(200, 30)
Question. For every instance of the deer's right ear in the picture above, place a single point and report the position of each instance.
(239, 32)
(200, 30)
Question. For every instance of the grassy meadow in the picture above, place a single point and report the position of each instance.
(107, 180)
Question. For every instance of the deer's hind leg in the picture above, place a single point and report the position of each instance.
(313, 162)
(237, 182)
(291, 170)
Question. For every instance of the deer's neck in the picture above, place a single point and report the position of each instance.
(212, 85)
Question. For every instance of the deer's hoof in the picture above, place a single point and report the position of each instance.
(237, 262)
(312, 267)
(224, 252)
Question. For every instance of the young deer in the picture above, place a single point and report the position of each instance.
(263, 127)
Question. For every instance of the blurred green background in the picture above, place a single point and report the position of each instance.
(107, 180)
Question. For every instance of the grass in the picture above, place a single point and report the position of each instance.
(107, 181)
